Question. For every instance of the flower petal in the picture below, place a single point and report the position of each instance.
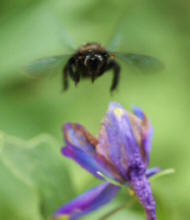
(88, 202)
(87, 161)
(117, 139)
(153, 171)
(76, 135)
(146, 133)
(143, 191)
(81, 147)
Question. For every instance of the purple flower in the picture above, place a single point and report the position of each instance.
(121, 153)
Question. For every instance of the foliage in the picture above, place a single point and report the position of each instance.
(30, 107)
(34, 179)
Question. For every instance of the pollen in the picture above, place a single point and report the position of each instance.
(131, 192)
(63, 217)
(119, 112)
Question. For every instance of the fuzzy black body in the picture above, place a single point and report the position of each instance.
(90, 61)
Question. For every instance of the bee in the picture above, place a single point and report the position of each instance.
(91, 61)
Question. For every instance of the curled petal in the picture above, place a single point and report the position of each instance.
(88, 202)
(76, 135)
(118, 141)
(146, 134)
(81, 147)
(87, 161)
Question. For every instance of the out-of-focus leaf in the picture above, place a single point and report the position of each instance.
(8, 6)
(125, 213)
(34, 180)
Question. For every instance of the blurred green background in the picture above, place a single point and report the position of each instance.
(35, 179)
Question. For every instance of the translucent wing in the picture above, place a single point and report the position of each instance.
(120, 33)
(47, 66)
(143, 62)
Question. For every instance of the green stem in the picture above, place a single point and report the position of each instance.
(163, 173)
(114, 211)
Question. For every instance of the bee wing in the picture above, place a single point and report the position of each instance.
(143, 62)
(46, 66)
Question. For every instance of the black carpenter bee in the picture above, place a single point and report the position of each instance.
(91, 61)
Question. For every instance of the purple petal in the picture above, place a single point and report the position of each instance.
(153, 171)
(138, 112)
(146, 133)
(118, 142)
(81, 147)
(88, 202)
(87, 161)
(143, 191)
(76, 135)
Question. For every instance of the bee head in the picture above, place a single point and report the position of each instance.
(93, 62)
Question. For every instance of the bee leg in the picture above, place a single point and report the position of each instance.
(65, 78)
(75, 75)
(116, 71)
(69, 70)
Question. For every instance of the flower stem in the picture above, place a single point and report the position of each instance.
(163, 173)
(114, 211)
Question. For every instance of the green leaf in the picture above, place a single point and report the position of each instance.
(34, 179)
(127, 212)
